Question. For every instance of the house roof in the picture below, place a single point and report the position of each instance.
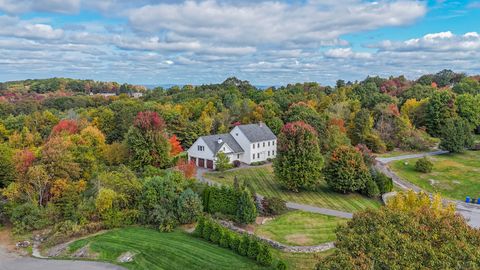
(257, 132)
(212, 142)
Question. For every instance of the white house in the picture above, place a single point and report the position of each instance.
(245, 143)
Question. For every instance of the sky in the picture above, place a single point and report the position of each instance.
(266, 42)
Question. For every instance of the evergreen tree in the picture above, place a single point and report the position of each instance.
(246, 209)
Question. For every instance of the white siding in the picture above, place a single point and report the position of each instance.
(205, 154)
(244, 143)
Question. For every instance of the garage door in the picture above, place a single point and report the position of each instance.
(209, 164)
(201, 162)
(194, 160)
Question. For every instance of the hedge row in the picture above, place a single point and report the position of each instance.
(244, 245)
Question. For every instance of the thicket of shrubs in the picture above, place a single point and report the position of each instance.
(236, 203)
(273, 206)
(243, 244)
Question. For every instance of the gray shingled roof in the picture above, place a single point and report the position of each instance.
(257, 132)
(212, 142)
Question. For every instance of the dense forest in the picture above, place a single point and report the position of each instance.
(76, 160)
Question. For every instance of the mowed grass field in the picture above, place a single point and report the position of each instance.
(454, 175)
(263, 181)
(298, 228)
(179, 250)
(156, 250)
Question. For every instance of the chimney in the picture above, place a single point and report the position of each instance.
(220, 141)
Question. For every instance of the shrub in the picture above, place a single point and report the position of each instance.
(198, 232)
(207, 229)
(234, 243)
(273, 206)
(246, 211)
(222, 200)
(27, 217)
(189, 207)
(216, 233)
(225, 239)
(243, 246)
(237, 163)
(384, 183)
(264, 256)
(253, 248)
(281, 265)
(424, 165)
(371, 189)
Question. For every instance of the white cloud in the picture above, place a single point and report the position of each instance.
(347, 53)
(443, 41)
(57, 6)
(14, 27)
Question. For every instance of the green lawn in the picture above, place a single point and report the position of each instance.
(178, 250)
(298, 228)
(262, 179)
(454, 175)
(155, 250)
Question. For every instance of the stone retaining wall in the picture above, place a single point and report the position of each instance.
(278, 245)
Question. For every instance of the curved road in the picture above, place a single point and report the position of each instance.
(471, 212)
(12, 261)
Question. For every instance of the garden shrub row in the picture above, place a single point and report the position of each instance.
(243, 244)
(234, 203)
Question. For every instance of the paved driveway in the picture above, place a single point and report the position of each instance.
(11, 261)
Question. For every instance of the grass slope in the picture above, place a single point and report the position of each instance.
(454, 175)
(300, 228)
(262, 179)
(155, 250)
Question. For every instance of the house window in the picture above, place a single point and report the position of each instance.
(253, 156)
(273, 143)
(258, 155)
(201, 148)
(253, 146)
(273, 152)
(268, 153)
(258, 145)
(236, 134)
(263, 144)
(238, 155)
(268, 143)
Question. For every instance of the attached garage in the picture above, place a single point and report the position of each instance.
(194, 159)
(201, 162)
(209, 164)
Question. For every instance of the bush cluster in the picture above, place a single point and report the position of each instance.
(424, 165)
(234, 203)
(273, 206)
(245, 245)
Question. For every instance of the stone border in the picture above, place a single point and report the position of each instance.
(277, 245)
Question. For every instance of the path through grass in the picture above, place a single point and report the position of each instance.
(262, 179)
(454, 175)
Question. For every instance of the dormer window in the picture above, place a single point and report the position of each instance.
(236, 134)
(201, 148)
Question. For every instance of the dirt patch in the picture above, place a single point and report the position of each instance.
(298, 239)
(126, 257)
(6, 240)
(189, 228)
(85, 253)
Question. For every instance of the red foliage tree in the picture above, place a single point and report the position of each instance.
(340, 123)
(149, 121)
(175, 148)
(66, 126)
(187, 168)
(23, 160)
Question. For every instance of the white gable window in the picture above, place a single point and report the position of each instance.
(201, 148)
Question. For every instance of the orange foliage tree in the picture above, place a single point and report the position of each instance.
(176, 148)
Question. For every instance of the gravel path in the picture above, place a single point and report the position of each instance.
(390, 159)
(291, 205)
